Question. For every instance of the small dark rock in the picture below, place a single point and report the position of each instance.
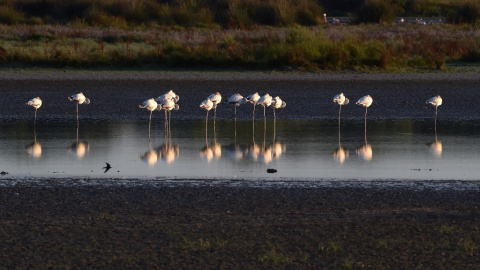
(271, 171)
(3, 173)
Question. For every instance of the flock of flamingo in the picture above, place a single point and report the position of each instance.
(168, 102)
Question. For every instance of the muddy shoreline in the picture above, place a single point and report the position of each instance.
(223, 226)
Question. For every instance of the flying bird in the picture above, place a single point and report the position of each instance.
(435, 101)
(341, 100)
(150, 105)
(79, 99)
(108, 167)
(35, 103)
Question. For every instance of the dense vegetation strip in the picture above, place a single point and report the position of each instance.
(314, 48)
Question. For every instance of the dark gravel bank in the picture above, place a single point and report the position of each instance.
(116, 95)
(226, 227)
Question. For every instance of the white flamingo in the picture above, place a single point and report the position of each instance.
(253, 98)
(207, 104)
(237, 100)
(265, 101)
(35, 103)
(278, 103)
(341, 100)
(168, 105)
(167, 96)
(150, 105)
(366, 102)
(79, 99)
(435, 101)
(215, 99)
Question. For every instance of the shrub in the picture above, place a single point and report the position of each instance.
(376, 11)
(468, 13)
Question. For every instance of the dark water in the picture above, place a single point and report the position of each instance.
(297, 149)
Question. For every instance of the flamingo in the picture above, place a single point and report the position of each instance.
(150, 105)
(277, 103)
(265, 101)
(167, 96)
(215, 99)
(365, 101)
(237, 100)
(168, 105)
(207, 104)
(253, 98)
(35, 103)
(435, 101)
(341, 100)
(79, 99)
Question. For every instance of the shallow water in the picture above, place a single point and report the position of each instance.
(297, 149)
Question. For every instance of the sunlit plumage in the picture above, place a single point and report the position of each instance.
(253, 98)
(237, 100)
(79, 99)
(207, 104)
(265, 101)
(435, 101)
(150, 105)
(170, 95)
(366, 102)
(278, 103)
(35, 103)
(341, 100)
(215, 99)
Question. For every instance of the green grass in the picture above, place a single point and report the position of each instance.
(363, 47)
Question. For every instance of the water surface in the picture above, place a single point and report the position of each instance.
(297, 149)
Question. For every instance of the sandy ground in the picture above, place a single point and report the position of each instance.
(203, 225)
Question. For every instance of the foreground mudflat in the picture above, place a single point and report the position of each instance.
(203, 226)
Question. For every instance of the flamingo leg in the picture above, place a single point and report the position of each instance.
(264, 118)
(436, 107)
(206, 129)
(35, 119)
(235, 122)
(149, 124)
(169, 127)
(77, 112)
(366, 109)
(274, 116)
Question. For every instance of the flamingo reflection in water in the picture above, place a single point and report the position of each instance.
(150, 157)
(168, 151)
(35, 148)
(79, 148)
(340, 154)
